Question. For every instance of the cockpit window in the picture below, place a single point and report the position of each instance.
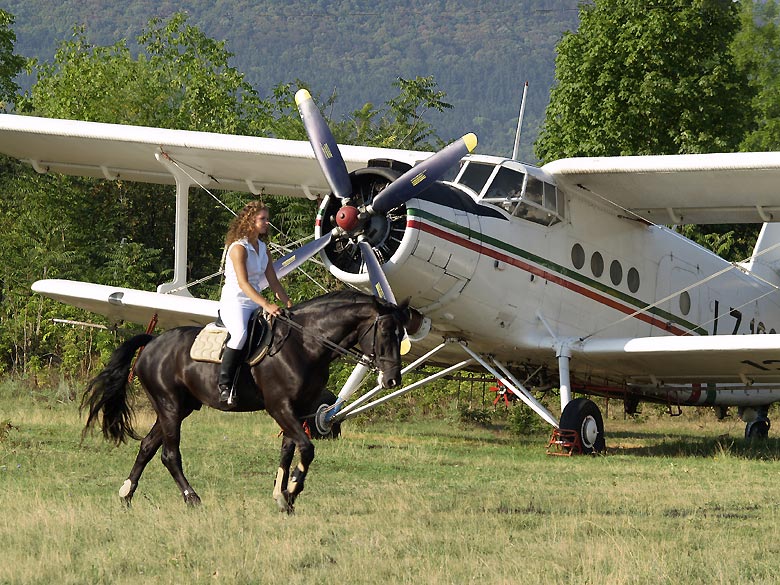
(475, 175)
(525, 196)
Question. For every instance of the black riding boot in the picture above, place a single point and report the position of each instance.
(231, 359)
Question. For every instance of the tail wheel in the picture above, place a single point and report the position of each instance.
(584, 418)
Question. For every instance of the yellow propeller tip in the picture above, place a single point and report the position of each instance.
(406, 346)
(470, 140)
(301, 96)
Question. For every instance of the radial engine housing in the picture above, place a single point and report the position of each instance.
(419, 244)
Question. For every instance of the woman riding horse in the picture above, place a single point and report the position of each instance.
(248, 259)
(287, 382)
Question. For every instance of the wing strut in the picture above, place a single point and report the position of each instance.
(183, 182)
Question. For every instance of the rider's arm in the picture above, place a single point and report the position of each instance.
(273, 282)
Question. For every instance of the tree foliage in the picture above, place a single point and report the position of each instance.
(757, 53)
(10, 64)
(647, 78)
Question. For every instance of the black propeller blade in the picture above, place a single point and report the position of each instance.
(325, 148)
(424, 174)
(291, 261)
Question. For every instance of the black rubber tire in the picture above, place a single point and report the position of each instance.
(327, 397)
(577, 416)
(757, 430)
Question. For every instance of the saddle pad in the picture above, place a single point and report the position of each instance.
(207, 346)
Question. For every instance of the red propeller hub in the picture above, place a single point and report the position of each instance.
(347, 218)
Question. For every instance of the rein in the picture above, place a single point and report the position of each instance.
(349, 353)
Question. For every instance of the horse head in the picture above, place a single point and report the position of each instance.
(382, 341)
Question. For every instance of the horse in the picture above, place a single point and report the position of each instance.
(287, 383)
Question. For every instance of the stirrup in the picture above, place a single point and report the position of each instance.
(226, 395)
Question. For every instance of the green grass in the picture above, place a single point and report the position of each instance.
(427, 501)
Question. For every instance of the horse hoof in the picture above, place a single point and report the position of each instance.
(192, 499)
(283, 503)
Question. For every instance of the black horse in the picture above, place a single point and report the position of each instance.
(287, 382)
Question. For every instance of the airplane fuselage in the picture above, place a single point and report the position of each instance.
(578, 272)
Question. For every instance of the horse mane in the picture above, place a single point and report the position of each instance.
(337, 297)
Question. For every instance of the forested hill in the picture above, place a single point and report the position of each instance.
(480, 52)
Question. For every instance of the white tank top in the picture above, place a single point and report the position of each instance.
(256, 263)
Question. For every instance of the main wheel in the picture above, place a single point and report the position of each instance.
(584, 418)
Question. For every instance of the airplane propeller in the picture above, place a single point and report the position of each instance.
(357, 222)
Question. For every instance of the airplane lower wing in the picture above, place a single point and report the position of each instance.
(172, 310)
(125, 304)
(689, 359)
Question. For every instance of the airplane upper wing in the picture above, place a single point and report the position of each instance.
(226, 162)
(741, 187)
(690, 359)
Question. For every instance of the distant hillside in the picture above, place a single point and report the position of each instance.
(480, 52)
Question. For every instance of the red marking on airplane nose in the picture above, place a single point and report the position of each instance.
(347, 218)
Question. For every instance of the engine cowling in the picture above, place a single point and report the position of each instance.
(419, 244)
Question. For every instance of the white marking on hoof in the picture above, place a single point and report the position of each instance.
(124, 491)
(281, 503)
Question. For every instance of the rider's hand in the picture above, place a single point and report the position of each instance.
(273, 310)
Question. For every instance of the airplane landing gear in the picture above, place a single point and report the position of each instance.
(584, 418)
(756, 421)
(757, 429)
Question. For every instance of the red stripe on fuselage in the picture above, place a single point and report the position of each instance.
(549, 276)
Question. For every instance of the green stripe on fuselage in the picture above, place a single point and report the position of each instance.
(556, 268)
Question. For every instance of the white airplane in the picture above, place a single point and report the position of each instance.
(563, 275)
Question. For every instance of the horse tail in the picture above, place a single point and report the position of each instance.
(107, 393)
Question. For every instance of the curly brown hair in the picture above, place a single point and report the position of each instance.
(242, 224)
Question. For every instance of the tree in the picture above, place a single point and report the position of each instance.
(644, 77)
(757, 52)
(10, 65)
(401, 123)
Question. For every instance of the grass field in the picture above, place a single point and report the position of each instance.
(429, 501)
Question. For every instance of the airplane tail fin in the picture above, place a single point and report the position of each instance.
(765, 261)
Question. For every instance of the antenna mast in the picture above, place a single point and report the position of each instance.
(515, 152)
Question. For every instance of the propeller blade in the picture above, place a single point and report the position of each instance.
(423, 175)
(324, 145)
(380, 285)
(375, 273)
(286, 264)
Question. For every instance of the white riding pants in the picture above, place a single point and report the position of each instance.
(235, 317)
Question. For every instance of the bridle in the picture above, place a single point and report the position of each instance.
(351, 354)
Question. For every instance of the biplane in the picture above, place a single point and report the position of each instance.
(569, 275)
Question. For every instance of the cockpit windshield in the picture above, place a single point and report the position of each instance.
(515, 190)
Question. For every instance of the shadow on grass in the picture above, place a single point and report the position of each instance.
(654, 444)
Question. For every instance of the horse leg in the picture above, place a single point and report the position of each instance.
(171, 454)
(293, 431)
(283, 475)
(149, 446)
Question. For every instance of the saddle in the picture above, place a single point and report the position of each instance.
(210, 342)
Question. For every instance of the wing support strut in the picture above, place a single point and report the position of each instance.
(183, 182)
(328, 415)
